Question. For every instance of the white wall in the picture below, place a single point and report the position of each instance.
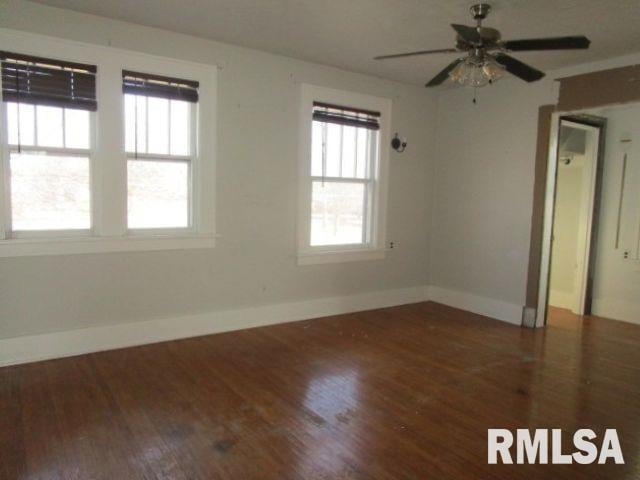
(483, 184)
(459, 217)
(254, 262)
(564, 256)
(617, 280)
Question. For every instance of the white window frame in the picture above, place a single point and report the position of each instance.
(191, 160)
(373, 247)
(9, 233)
(108, 159)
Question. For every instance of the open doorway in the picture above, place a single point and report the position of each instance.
(600, 237)
(573, 217)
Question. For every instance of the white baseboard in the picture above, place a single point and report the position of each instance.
(45, 346)
(75, 342)
(507, 312)
(560, 299)
(616, 310)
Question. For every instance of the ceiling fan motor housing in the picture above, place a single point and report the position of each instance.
(479, 11)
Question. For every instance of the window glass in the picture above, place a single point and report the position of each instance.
(49, 192)
(317, 148)
(334, 149)
(76, 128)
(49, 125)
(180, 127)
(349, 146)
(337, 213)
(158, 126)
(21, 123)
(362, 151)
(158, 194)
(161, 126)
(158, 189)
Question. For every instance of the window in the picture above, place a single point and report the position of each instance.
(102, 151)
(159, 125)
(48, 107)
(343, 189)
(344, 146)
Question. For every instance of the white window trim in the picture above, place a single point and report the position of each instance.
(109, 231)
(375, 249)
(8, 231)
(192, 161)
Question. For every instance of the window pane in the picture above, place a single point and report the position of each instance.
(158, 131)
(349, 151)
(316, 149)
(334, 138)
(76, 128)
(362, 156)
(20, 115)
(135, 114)
(158, 193)
(180, 132)
(129, 122)
(49, 126)
(49, 192)
(337, 213)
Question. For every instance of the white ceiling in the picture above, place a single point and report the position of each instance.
(348, 33)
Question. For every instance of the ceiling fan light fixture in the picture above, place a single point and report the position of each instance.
(492, 69)
(477, 72)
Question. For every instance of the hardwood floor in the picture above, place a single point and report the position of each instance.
(398, 393)
(565, 318)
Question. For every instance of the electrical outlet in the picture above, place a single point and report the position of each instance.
(625, 254)
(391, 245)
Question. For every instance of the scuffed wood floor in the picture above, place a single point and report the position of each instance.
(398, 393)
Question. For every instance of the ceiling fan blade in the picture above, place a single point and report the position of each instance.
(517, 68)
(554, 43)
(468, 34)
(442, 76)
(411, 54)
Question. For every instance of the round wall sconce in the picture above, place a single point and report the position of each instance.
(398, 144)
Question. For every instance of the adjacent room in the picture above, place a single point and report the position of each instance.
(286, 239)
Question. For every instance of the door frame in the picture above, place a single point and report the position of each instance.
(590, 249)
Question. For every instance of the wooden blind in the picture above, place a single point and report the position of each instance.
(355, 117)
(159, 86)
(44, 81)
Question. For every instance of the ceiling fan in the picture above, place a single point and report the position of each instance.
(486, 60)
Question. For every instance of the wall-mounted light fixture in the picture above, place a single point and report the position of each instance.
(398, 144)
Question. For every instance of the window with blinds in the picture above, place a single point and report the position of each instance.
(343, 164)
(160, 125)
(49, 105)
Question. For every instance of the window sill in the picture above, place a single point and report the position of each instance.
(20, 247)
(314, 258)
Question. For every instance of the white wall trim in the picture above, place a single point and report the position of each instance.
(21, 247)
(507, 312)
(341, 256)
(33, 348)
